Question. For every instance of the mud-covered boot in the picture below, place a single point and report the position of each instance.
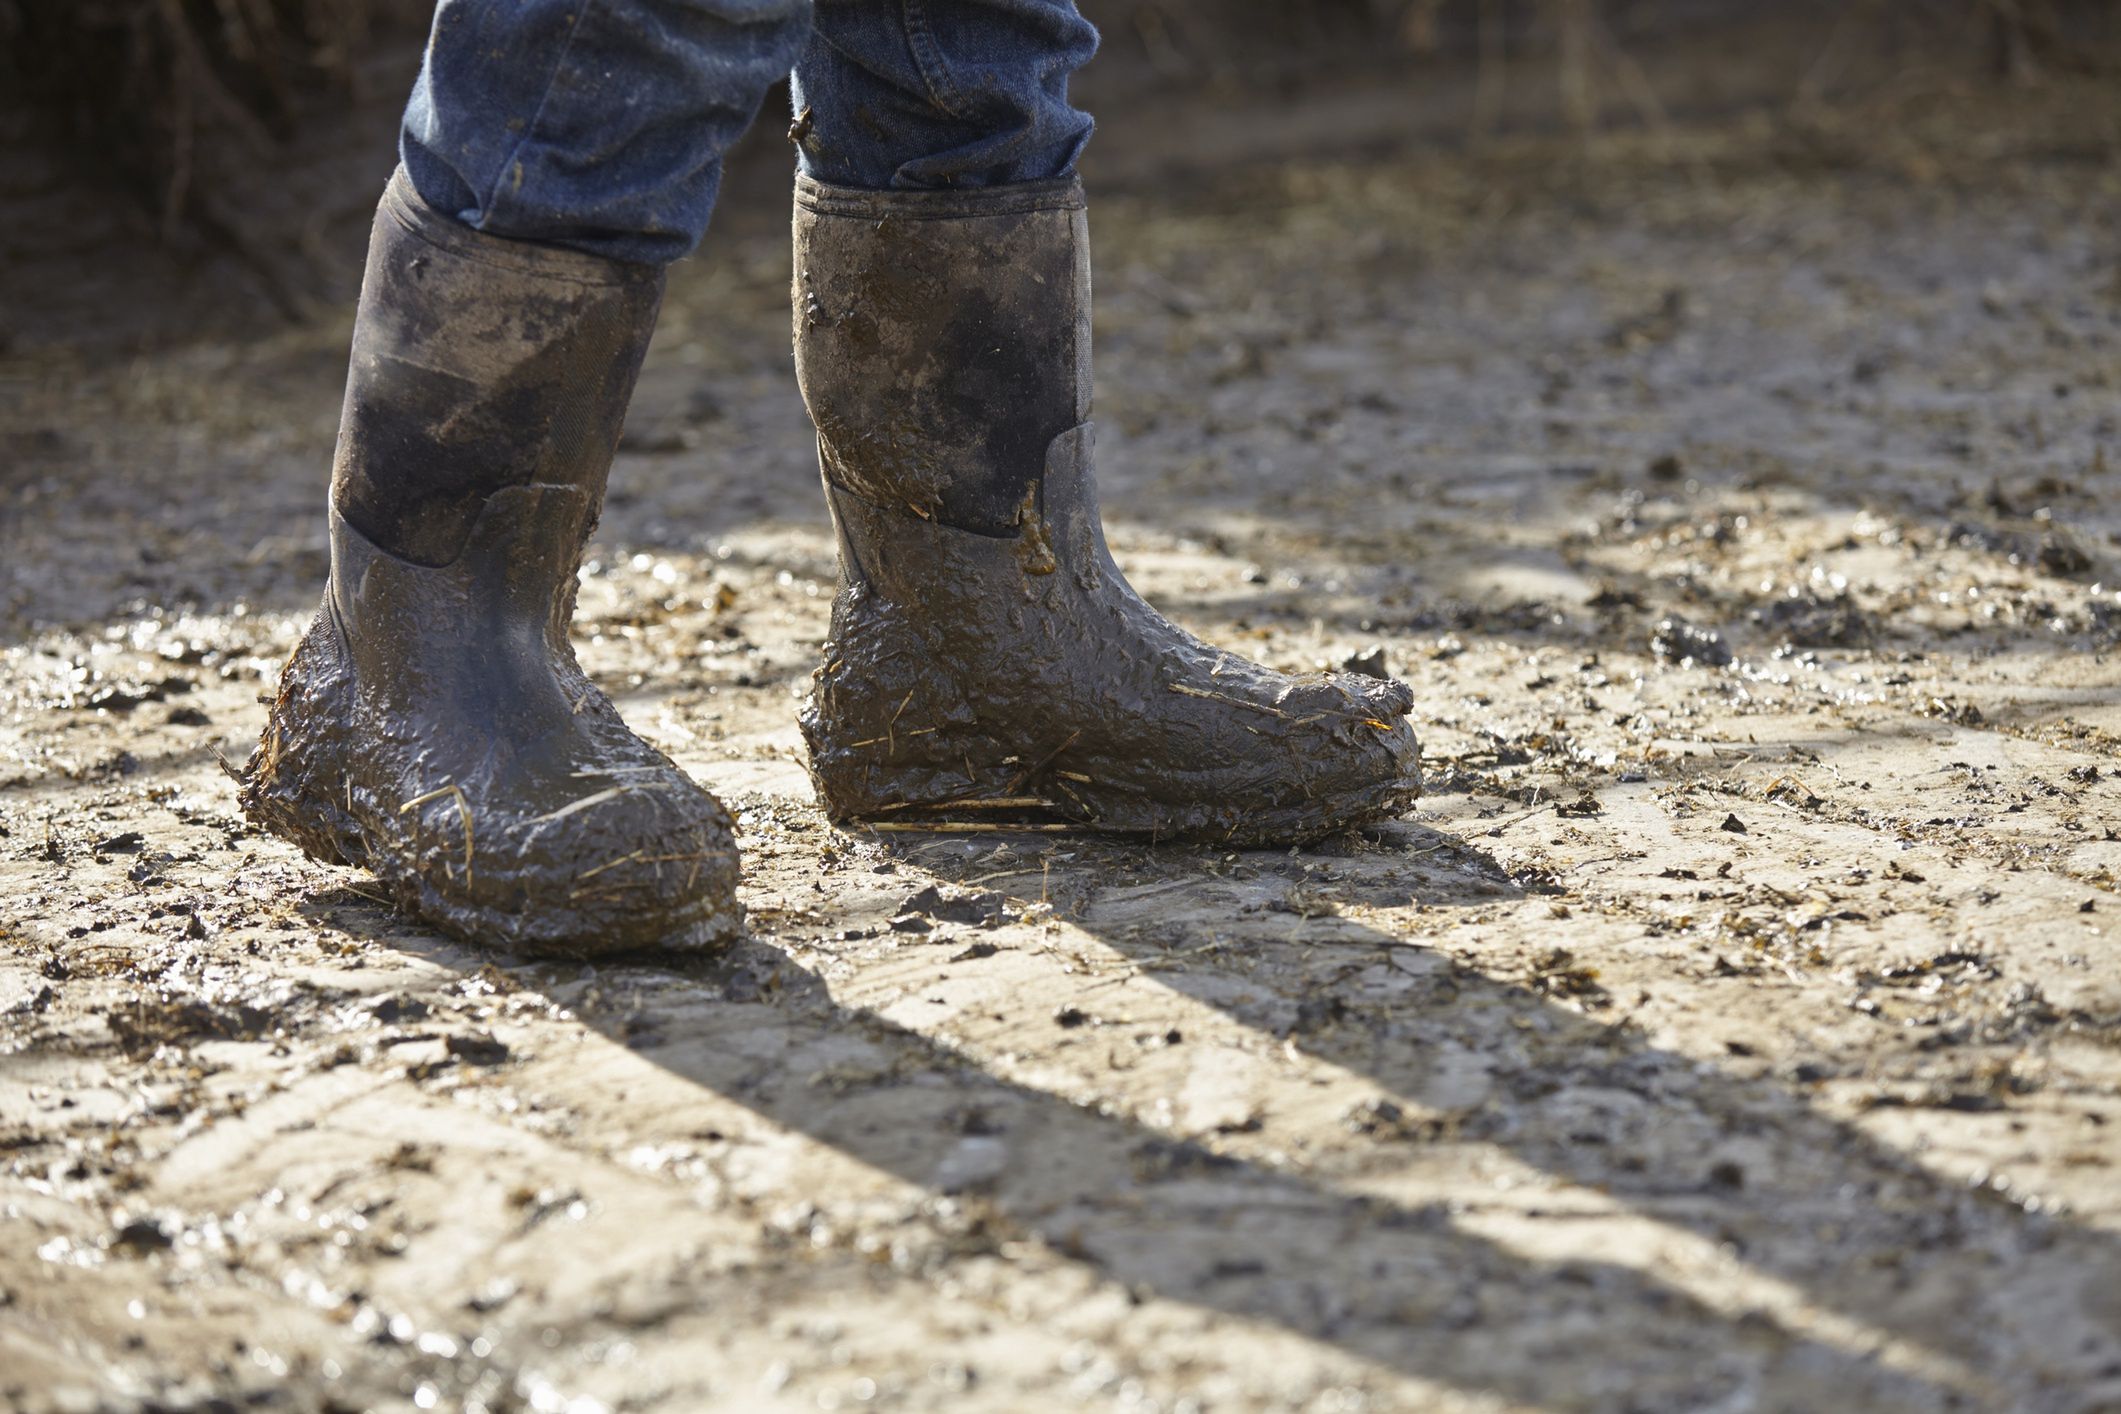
(987, 660)
(433, 725)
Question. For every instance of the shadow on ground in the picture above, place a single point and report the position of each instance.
(1891, 1253)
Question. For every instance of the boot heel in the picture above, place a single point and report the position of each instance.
(295, 782)
(885, 730)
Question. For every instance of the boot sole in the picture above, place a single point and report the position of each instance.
(997, 799)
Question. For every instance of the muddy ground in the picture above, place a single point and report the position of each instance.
(1736, 1025)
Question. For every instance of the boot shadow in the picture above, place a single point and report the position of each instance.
(1406, 1287)
(1860, 1229)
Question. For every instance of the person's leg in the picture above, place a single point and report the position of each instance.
(598, 125)
(433, 724)
(986, 655)
(932, 94)
(589, 126)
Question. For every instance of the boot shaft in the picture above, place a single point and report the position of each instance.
(479, 363)
(942, 341)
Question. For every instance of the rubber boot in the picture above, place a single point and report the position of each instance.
(987, 660)
(433, 725)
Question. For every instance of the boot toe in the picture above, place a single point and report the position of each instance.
(1344, 768)
(1386, 698)
(625, 865)
(614, 863)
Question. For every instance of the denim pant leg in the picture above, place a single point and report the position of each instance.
(598, 125)
(919, 94)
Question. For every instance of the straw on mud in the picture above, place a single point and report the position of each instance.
(995, 802)
(967, 827)
(1042, 763)
(639, 856)
(1787, 782)
(1233, 701)
(891, 727)
(1064, 790)
(463, 817)
(1495, 830)
(269, 756)
(1003, 874)
(872, 741)
(608, 864)
(583, 804)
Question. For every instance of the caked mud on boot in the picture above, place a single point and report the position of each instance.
(987, 660)
(433, 726)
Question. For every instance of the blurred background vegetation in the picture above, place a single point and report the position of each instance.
(170, 136)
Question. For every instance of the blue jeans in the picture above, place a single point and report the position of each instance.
(601, 125)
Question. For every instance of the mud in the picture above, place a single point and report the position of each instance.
(1739, 1036)
(987, 662)
(433, 725)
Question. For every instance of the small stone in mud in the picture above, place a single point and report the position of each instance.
(477, 1049)
(1611, 596)
(1068, 1018)
(1315, 1014)
(1812, 621)
(1685, 643)
(931, 902)
(392, 1010)
(2060, 555)
(1370, 662)
(1376, 1116)
(1557, 972)
(127, 843)
(141, 1236)
(1667, 468)
(187, 717)
(1964, 714)
(978, 950)
(492, 1296)
(1735, 825)
(45, 996)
